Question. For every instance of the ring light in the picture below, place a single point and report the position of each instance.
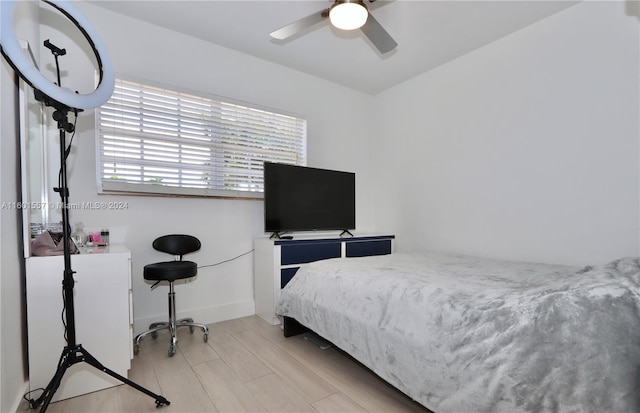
(27, 70)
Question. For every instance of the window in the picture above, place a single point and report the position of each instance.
(155, 140)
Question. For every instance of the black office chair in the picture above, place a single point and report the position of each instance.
(177, 245)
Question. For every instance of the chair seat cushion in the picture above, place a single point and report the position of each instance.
(170, 270)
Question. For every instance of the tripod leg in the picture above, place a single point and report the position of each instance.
(89, 359)
(45, 399)
(70, 357)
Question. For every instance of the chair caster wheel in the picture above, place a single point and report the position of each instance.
(191, 329)
(205, 337)
(172, 350)
(136, 349)
(154, 335)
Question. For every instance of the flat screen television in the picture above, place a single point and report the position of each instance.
(300, 198)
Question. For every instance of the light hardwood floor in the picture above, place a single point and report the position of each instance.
(246, 366)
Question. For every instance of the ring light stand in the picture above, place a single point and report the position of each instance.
(63, 102)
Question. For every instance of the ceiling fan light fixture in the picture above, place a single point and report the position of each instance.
(348, 14)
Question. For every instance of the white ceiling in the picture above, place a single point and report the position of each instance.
(429, 33)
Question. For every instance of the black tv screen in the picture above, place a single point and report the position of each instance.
(300, 198)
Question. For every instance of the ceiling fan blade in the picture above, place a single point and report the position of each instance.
(300, 25)
(378, 35)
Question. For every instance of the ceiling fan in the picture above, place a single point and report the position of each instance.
(345, 15)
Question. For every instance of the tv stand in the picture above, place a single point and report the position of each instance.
(346, 231)
(277, 261)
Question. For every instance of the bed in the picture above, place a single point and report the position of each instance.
(465, 334)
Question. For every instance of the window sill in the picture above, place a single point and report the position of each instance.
(125, 188)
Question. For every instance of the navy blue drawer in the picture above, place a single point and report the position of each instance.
(286, 274)
(368, 248)
(302, 253)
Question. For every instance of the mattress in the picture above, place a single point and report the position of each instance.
(465, 334)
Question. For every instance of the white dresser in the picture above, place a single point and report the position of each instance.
(103, 318)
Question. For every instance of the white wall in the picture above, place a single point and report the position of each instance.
(13, 370)
(524, 149)
(337, 118)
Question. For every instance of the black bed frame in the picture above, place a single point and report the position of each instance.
(292, 327)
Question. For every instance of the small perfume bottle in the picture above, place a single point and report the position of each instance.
(104, 236)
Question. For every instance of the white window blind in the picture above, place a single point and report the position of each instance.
(155, 140)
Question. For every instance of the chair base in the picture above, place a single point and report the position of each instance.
(172, 325)
(166, 325)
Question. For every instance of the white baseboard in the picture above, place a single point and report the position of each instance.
(19, 398)
(202, 315)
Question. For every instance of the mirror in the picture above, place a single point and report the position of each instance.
(33, 154)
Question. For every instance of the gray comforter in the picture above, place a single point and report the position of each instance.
(465, 334)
